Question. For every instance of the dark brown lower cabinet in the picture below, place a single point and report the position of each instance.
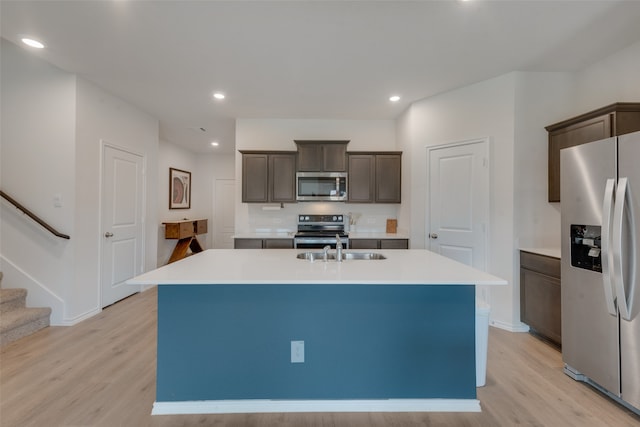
(540, 296)
(379, 243)
(251, 243)
(277, 244)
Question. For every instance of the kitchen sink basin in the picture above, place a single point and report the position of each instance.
(319, 256)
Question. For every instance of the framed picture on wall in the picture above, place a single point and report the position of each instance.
(179, 189)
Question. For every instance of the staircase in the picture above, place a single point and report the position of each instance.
(16, 320)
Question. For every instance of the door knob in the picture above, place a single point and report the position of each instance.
(108, 234)
(433, 235)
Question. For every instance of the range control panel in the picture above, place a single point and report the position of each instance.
(320, 218)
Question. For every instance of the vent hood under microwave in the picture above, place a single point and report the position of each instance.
(321, 186)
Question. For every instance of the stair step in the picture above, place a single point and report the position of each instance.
(21, 322)
(11, 299)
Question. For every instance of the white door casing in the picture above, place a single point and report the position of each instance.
(458, 201)
(224, 213)
(122, 222)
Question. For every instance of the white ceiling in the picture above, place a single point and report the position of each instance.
(308, 59)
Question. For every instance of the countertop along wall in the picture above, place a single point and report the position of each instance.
(279, 134)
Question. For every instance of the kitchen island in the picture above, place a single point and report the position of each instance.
(263, 331)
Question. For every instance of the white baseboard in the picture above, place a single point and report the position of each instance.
(38, 294)
(521, 327)
(270, 406)
(70, 321)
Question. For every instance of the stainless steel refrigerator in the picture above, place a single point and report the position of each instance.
(600, 205)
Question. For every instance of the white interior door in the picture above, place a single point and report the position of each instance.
(122, 222)
(224, 214)
(458, 201)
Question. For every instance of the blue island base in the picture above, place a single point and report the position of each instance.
(373, 348)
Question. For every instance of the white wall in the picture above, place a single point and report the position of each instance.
(52, 124)
(512, 110)
(540, 99)
(173, 156)
(211, 167)
(279, 134)
(205, 169)
(102, 117)
(614, 79)
(484, 109)
(37, 162)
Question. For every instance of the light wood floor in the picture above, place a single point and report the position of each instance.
(101, 372)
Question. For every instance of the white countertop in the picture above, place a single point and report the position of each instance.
(266, 235)
(550, 252)
(280, 266)
(376, 235)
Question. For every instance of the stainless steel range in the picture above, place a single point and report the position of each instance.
(318, 231)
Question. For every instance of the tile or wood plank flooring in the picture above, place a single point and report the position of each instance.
(101, 372)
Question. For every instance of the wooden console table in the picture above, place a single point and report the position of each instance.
(186, 231)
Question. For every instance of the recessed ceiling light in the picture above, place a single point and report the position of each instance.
(394, 98)
(33, 43)
(214, 143)
(218, 95)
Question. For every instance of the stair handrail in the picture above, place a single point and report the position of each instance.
(33, 216)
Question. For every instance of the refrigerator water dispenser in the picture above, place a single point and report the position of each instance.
(585, 247)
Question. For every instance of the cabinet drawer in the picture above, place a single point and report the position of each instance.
(247, 244)
(201, 226)
(394, 244)
(278, 244)
(179, 230)
(540, 263)
(363, 243)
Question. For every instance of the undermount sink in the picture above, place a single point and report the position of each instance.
(319, 256)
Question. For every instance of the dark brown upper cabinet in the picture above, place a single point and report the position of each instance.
(612, 120)
(374, 177)
(268, 177)
(322, 156)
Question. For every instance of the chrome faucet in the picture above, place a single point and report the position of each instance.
(326, 252)
(338, 248)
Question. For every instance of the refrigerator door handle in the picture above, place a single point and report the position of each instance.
(607, 258)
(623, 195)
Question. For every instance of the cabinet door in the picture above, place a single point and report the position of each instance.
(580, 133)
(363, 243)
(282, 177)
(255, 174)
(278, 243)
(361, 180)
(334, 157)
(394, 244)
(388, 174)
(247, 243)
(309, 157)
(540, 304)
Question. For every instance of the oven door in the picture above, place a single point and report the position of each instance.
(318, 242)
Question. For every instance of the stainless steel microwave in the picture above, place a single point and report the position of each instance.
(321, 186)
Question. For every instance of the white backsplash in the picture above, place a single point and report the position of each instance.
(268, 218)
